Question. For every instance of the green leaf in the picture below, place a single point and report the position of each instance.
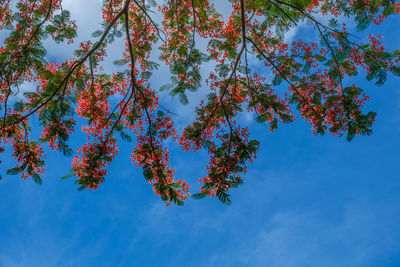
(396, 70)
(97, 33)
(183, 98)
(166, 87)
(68, 176)
(224, 198)
(278, 79)
(14, 171)
(199, 195)
(126, 137)
(37, 178)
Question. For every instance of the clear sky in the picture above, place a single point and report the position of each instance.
(306, 201)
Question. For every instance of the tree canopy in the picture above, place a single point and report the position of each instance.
(313, 77)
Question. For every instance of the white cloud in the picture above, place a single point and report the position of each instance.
(366, 232)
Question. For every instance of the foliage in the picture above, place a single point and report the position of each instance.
(315, 75)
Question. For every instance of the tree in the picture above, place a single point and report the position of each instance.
(315, 75)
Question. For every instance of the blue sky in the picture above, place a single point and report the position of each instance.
(306, 201)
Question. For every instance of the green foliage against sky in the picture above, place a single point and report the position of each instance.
(78, 91)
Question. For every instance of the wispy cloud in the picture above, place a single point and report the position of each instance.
(366, 233)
